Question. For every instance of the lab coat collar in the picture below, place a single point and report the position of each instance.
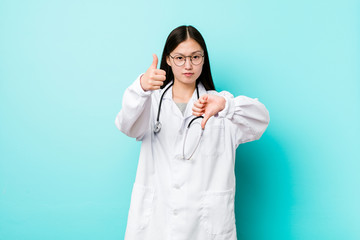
(168, 94)
(194, 98)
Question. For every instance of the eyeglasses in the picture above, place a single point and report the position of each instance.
(180, 60)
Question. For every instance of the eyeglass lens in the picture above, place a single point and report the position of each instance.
(180, 60)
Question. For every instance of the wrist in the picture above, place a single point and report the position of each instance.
(222, 103)
(141, 83)
(225, 107)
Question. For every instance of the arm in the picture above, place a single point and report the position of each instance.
(133, 119)
(250, 117)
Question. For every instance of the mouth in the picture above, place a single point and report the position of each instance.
(188, 74)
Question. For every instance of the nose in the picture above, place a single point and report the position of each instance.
(188, 64)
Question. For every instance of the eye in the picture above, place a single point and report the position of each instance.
(196, 57)
(179, 58)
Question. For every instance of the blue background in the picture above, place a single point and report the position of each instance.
(66, 172)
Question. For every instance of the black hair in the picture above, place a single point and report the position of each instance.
(177, 36)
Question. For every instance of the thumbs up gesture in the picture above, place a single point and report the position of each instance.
(209, 105)
(153, 78)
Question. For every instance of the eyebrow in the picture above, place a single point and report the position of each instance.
(191, 53)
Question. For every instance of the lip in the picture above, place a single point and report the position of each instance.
(188, 74)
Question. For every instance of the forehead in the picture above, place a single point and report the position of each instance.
(188, 47)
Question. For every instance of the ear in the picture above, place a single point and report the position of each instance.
(168, 61)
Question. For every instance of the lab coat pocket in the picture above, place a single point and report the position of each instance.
(141, 207)
(217, 212)
(213, 138)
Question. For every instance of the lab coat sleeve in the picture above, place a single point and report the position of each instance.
(133, 119)
(248, 116)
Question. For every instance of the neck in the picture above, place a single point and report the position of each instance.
(182, 92)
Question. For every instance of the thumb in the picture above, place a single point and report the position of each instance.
(203, 122)
(155, 61)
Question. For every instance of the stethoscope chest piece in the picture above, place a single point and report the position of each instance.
(157, 127)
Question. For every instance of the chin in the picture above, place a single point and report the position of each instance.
(192, 79)
(189, 81)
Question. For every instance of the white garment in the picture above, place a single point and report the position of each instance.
(177, 199)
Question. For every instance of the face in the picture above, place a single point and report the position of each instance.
(187, 73)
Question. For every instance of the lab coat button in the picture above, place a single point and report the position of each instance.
(176, 186)
(175, 212)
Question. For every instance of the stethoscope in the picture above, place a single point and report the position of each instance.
(157, 125)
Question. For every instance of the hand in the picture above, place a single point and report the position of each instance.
(209, 105)
(153, 78)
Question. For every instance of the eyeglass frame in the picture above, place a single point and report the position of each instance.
(202, 55)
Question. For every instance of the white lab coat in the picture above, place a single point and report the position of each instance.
(177, 199)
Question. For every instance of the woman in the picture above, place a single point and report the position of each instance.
(185, 182)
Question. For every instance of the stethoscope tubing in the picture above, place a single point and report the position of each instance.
(157, 125)
(185, 137)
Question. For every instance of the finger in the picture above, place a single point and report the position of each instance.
(155, 61)
(195, 109)
(203, 99)
(199, 105)
(203, 122)
(197, 114)
(157, 83)
(158, 78)
(154, 87)
(159, 72)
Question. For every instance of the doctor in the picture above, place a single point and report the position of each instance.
(185, 182)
